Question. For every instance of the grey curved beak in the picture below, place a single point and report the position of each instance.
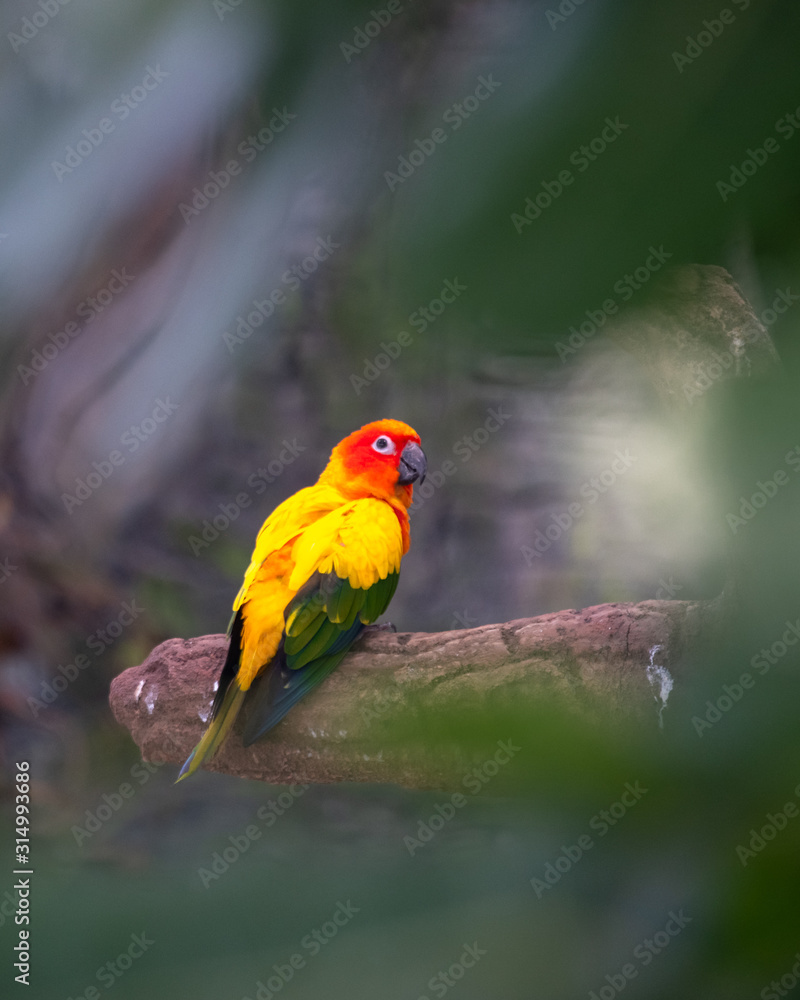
(413, 464)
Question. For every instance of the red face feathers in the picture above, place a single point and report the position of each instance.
(382, 459)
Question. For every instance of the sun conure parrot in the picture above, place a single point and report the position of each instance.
(326, 563)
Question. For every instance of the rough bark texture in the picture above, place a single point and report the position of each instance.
(594, 660)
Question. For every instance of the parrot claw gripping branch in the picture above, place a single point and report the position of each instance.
(325, 565)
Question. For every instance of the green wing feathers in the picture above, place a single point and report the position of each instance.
(322, 623)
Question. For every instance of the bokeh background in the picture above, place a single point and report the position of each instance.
(165, 168)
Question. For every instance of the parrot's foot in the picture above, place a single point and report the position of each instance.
(383, 627)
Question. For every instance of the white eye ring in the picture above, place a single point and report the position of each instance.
(384, 445)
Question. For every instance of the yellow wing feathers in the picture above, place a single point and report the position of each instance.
(284, 524)
(360, 542)
(262, 609)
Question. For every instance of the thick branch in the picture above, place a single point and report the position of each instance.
(595, 660)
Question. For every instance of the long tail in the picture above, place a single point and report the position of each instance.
(227, 703)
(216, 732)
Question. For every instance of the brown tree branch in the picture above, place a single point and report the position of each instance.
(594, 661)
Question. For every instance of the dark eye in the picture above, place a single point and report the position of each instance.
(383, 445)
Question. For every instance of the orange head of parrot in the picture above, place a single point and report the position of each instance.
(382, 459)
